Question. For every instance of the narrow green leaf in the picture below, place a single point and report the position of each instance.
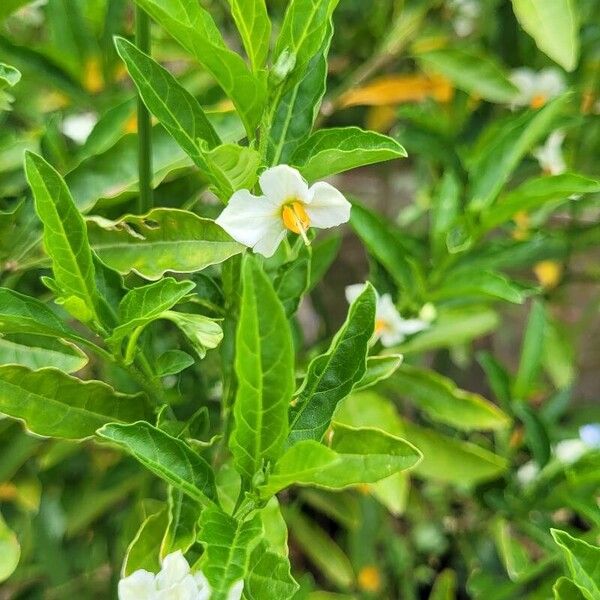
(176, 109)
(332, 375)
(292, 280)
(472, 72)
(253, 23)
(330, 151)
(268, 576)
(583, 561)
(497, 376)
(183, 514)
(494, 165)
(444, 586)
(443, 401)
(380, 240)
(379, 368)
(24, 314)
(166, 239)
(143, 551)
(478, 284)
(52, 403)
(65, 239)
(298, 108)
(167, 457)
(37, 352)
(536, 434)
(10, 551)
(302, 33)
(264, 367)
(193, 27)
(531, 356)
(144, 304)
(554, 25)
(228, 544)
(539, 192)
(172, 362)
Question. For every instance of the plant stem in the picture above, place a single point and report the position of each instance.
(144, 124)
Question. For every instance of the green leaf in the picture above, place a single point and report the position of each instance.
(357, 456)
(228, 543)
(172, 362)
(319, 547)
(478, 284)
(175, 108)
(531, 356)
(202, 332)
(292, 280)
(497, 376)
(444, 586)
(180, 533)
(379, 368)
(298, 108)
(143, 551)
(512, 553)
(302, 33)
(232, 167)
(472, 72)
(10, 551)
(24, 314)
(380, 240)
(444, 458)
(565, 589)
(268, 576)
(444, 402)
(554, 25)
(536, 434)
(167, 457)
(65, 239)
(332, 375)
(193, 27)
(539, 193)
(9, 76)
(323, 253)
(264, 366)
(166, 239)
(52, 403)
(37, 352)
(452, 327)
(330, 151)
(583, 561)
(493, 165)
(252, 21)
(144, 304)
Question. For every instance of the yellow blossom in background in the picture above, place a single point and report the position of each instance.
(93, 80)
(521, 231)
(548, 273)
(380, 118)
(369, 579)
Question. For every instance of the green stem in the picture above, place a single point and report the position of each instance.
(144, 124)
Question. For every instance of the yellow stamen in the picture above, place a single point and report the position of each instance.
(381, 325)
(296, 219)
(369, 579)
(538, 101)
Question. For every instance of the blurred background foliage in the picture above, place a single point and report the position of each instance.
(510, 286)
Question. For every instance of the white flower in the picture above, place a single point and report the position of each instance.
(527, 472)
(466, 13)
(537, 87)
(175, 581)
(79, 127)
(550, 156)
(570, 451)
(287, 204)
(390, 327)
(590, 435)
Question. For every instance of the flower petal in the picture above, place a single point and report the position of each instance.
(551, 82)
(235, 591)
(140, 585)
(248, 218)
(204, 589)
(186, 589)
(283, 183)
(174, 569)
(327, 206)
(270, 240)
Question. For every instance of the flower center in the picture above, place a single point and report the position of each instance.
(381, 325)
(538, 101)
(295, 217)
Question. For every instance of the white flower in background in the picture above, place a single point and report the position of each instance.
(390, 327)
(175, 581)
(31, 14)
(79, 127)
(466, 13)
(570, 451)
(287, 204)
(550, 156)
(527, 472)
(537, 87)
